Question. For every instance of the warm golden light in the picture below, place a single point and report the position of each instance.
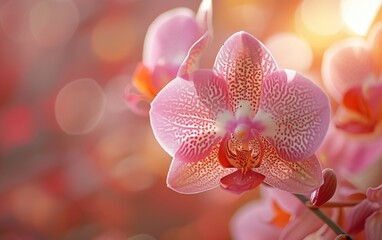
(359, 15)
(112, 39)
(322, 17)
(290, 51)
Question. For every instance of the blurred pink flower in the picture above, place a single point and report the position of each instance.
(241, 124)
(348, 155)
(277, 215)
(168, 40)
(367, 215)
(352, 74)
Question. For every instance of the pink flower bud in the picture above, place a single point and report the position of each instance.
(327, 189)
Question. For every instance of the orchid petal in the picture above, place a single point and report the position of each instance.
(326, 191)
(284, 200)
(249, 223)
(354, 125)
(204, 16)
(142, 80)
(295, 113)
(204, 19)
(373, 226)
(304, 224)
(161, 47)
(345, 65)
(375, 194)
(375, 44)
(193, 56)
(244, 63)
(301, 177)
(342, 152)
(195, 177)
(163, 74)
(373, 94)
(239, 182)
(138, 103)
(355, 100)
(357, 216)
(183, 115)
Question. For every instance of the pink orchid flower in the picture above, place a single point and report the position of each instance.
(277, 215)
(367, 215)
(243, 123)
(168, 41)
(352, 74)
(348, 155)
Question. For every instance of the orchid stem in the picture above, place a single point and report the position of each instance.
(337, 229)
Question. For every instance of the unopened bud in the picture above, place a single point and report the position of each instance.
(327, 189)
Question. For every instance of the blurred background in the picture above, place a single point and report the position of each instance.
(75, 162)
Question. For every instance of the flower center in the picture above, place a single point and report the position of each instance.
(242, 131)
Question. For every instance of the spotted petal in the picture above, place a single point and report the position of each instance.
(244, 63)
(345, 65)
(183, 115)
(295, 113)
(296, 177)
(195, 177)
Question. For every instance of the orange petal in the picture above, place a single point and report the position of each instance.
(224, 153)
(142, 80)
(281, 217)
(355, 100)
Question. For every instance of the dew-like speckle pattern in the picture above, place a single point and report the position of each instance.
(296, 177)
(299, 111)
(183, 116)
(244, 63)
(194, 177)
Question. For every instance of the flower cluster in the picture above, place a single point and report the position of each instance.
(352, 73)
(246, 122)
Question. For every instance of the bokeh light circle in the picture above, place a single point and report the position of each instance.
(53, 22)
(290, 51)
(321, 17)
(79, 106)
(359, 15)
(14, 20)
(112, 39)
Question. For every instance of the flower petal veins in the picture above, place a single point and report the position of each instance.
(195, 177)
(297, 177)
(183, 115)
(298, 114)
(244, 63)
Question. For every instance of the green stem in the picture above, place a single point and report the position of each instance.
(337, 229)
